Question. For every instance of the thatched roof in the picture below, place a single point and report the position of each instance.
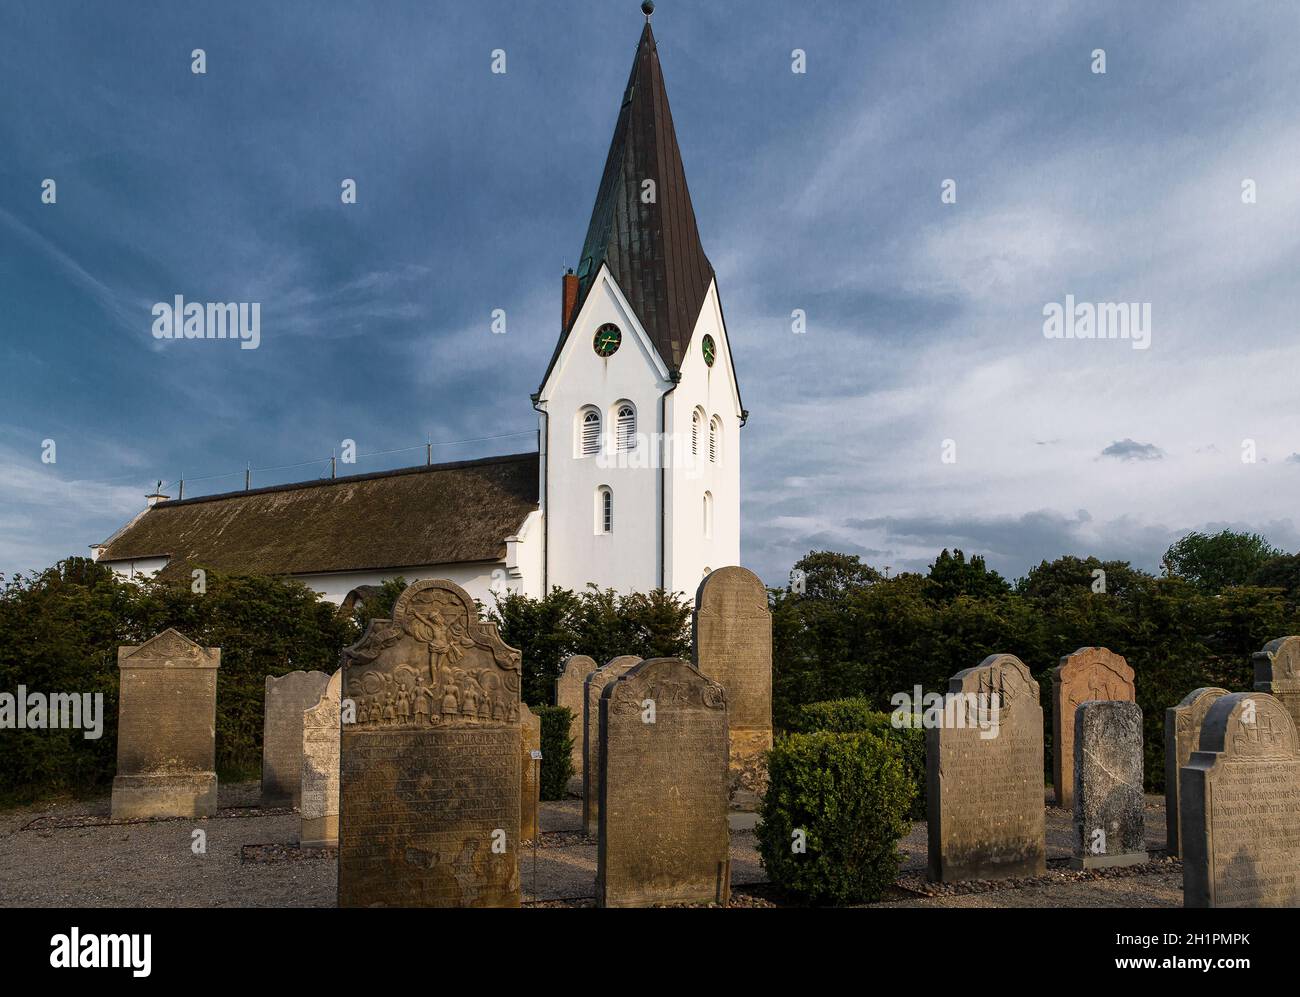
(445, 513)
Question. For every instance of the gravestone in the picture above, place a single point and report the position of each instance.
(530, 797)
(984, 776)
(288, 697)
(593, 685)
(429, 780)
(1182, 735)
(319, 795)
(1109, 817)
(733, 646)
(1277, 672)
(663, 836)
(1090, 673)
(1240, 801)
(568, 692)
(166, 729)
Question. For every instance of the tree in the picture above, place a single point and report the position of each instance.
(1213, 563)
(952, 575)
(826, 574)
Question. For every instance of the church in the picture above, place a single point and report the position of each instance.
(635, 482)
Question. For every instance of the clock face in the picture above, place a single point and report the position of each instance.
(710, 350)
(608, 340)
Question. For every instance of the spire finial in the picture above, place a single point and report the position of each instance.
(647, 8)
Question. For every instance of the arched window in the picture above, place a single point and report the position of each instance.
(708, 515)
(604, 510)
(697, 423)
(715, 439)
(589, 432)
(626, 440)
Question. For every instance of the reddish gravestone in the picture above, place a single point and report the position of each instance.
(429, 777)
(1090, 673)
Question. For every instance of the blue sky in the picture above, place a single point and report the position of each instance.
(817, 191)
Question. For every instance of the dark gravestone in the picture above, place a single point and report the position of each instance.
(1109, 818)
(593, 685)
(1240, 807)
(1182, 735)
(664, 836)
(429, 780)
(1277, 672)
(287, 698)
(984, 770)
(530, 730)
(166, 729)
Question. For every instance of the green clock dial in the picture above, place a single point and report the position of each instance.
(608, 340)
(710, 350)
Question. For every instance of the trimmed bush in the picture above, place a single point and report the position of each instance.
(850, 797)
(557, 745)
(856, 716)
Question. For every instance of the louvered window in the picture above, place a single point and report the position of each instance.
(626, 428)
(590, 433)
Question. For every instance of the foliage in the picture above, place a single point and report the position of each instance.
(849, 796)
(557, 748)
(600, 623)
(855, 716)
(1212, 563)
(60, 631)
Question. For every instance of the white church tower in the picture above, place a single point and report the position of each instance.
(639, 410)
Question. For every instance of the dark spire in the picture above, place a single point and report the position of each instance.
(652, 249)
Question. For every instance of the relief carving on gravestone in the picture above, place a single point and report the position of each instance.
(1090, 673)
(1239, 797)
(1182, 736)
(1277, 672)
(430, 779)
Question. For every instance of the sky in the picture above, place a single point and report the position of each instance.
(924, 406)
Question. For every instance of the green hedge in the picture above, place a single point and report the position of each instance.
(856, 715)
(850, 797)
(557, 748)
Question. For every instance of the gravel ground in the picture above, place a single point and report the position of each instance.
(68, 854)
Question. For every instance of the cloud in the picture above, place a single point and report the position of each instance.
(1127, 449)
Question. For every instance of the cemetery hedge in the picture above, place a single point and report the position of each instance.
(852, 633)
(856, 715)
(557, 748)
(850, 797)
(60, 631)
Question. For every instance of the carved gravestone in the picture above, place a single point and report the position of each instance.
(530, 730)
(1182, 735)
(429, 780)
(1090, 673)
(568, 693)
(1240, 801)
(1109, 816)
(319, 795)
(1277, 672)
(664, 836)
(984, 771)
(593, 685)
(288, 697)
(733, 646)
(166, 729)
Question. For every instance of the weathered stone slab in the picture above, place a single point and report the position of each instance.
(429, 776)
(1277, 672)
(568, 692)
(166, 729)
(319, 795)
(1090, 673)
(985, 786)
(733, 646)
(530, 730)
(287, 698)
(1240, 801)
(663, 835)
(1182, 736)
(1109, 817)
(593, 685)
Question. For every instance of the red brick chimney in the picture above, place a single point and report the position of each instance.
(568, 299)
